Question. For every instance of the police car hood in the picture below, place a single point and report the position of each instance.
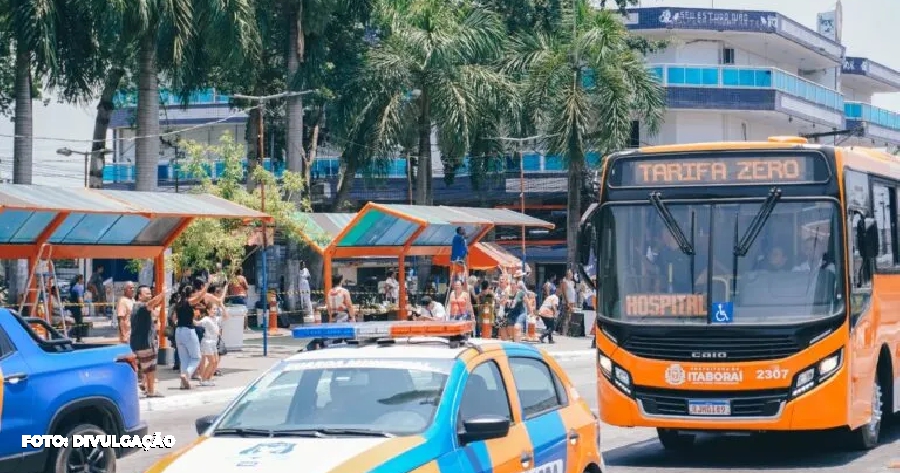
(275, 455)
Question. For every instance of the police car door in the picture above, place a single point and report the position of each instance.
(486, 395)
(16, 415)
(541, 407)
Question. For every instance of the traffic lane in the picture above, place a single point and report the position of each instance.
(636, 450)
(177, 423)
(775, 453)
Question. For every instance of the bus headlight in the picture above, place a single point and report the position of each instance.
(816, 374)
(615, 374)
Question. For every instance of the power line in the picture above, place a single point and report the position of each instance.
(133, 138)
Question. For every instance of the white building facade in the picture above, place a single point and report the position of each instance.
(744, 75)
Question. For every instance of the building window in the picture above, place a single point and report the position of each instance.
(728, 56)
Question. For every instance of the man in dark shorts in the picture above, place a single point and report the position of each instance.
(143, 334)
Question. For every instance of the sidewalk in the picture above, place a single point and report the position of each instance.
(239, 369)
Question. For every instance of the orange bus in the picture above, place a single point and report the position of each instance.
(747, 287)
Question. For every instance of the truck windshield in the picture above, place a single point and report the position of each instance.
(788, 272)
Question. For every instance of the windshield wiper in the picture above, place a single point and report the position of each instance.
(671, 224)
(357, 432)
(758, 222)
(244, 432)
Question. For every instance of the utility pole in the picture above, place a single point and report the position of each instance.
(87, 158)
(521, 157)
(271, 323)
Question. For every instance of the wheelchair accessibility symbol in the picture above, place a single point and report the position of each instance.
(723, 313)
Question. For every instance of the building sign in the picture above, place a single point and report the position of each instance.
(826, 25)
(714, 19)
(855, 65)
(716, 170)
(684, 305)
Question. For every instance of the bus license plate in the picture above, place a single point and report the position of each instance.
(708, 407)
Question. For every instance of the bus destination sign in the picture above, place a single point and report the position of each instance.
(711, 171)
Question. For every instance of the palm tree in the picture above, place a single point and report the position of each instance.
(579, 115)
(32, 26)
(184, 38)
(434, 64)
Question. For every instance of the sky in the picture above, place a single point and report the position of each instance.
(868, 31)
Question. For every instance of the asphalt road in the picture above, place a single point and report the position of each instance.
(634, 450)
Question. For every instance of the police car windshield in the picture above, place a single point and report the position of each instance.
(343, 397)
(790, 271)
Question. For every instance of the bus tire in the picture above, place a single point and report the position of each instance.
(865, 437)
(674, 440)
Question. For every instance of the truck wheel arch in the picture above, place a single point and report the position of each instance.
(78, 409)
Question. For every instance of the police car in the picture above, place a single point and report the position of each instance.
(417, 398)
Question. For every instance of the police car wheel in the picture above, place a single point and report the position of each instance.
(79, 459)
(674, 440)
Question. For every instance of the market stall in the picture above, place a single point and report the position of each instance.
(45, 223)
(399, 231)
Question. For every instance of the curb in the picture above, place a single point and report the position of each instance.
(221, 396)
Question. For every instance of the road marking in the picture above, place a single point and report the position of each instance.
(222, 396)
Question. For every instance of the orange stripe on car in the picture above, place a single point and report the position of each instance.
(161, 465)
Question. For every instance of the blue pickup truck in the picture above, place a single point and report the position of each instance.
(52, 386)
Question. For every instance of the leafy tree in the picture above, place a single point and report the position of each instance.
(207, 241)
(579, 115)
(432, 69)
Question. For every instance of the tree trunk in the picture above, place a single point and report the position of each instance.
(252, 137)
(345, 183)
(294, 118)
(24, 126)
(313, 149)
(101, 125)
(146, 146)
(423, 175)
(573, 209)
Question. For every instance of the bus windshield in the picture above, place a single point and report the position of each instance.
(776, 261)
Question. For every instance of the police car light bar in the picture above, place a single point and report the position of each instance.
(384, 330)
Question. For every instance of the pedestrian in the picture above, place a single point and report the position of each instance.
(340, 304)
(569, 301)
(186, 341)
(486, 309)
(460, 302)
(548, 312)
(306, 295)
(459, 252)
(124, 308)
(237, 292)
(76, 298)
(98, 289)
(143, 334)
(208, 348)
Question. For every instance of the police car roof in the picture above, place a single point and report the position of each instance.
(411, 348)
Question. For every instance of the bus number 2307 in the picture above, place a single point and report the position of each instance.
(773, 373)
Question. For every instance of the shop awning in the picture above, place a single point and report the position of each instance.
(74, 222)
(380, 229)
(320, 229)
(484, 256)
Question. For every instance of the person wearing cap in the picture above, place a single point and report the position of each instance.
(432, 310)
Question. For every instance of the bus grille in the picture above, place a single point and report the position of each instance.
(711, 347)
(672, 402)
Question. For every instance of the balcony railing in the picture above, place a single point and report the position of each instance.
(329, 168)
(128, 98)
(872, 114)
(734, 77)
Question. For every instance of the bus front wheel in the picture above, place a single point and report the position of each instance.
(866, 436)
(674, 440)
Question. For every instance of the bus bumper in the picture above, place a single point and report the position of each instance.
(825, 407)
